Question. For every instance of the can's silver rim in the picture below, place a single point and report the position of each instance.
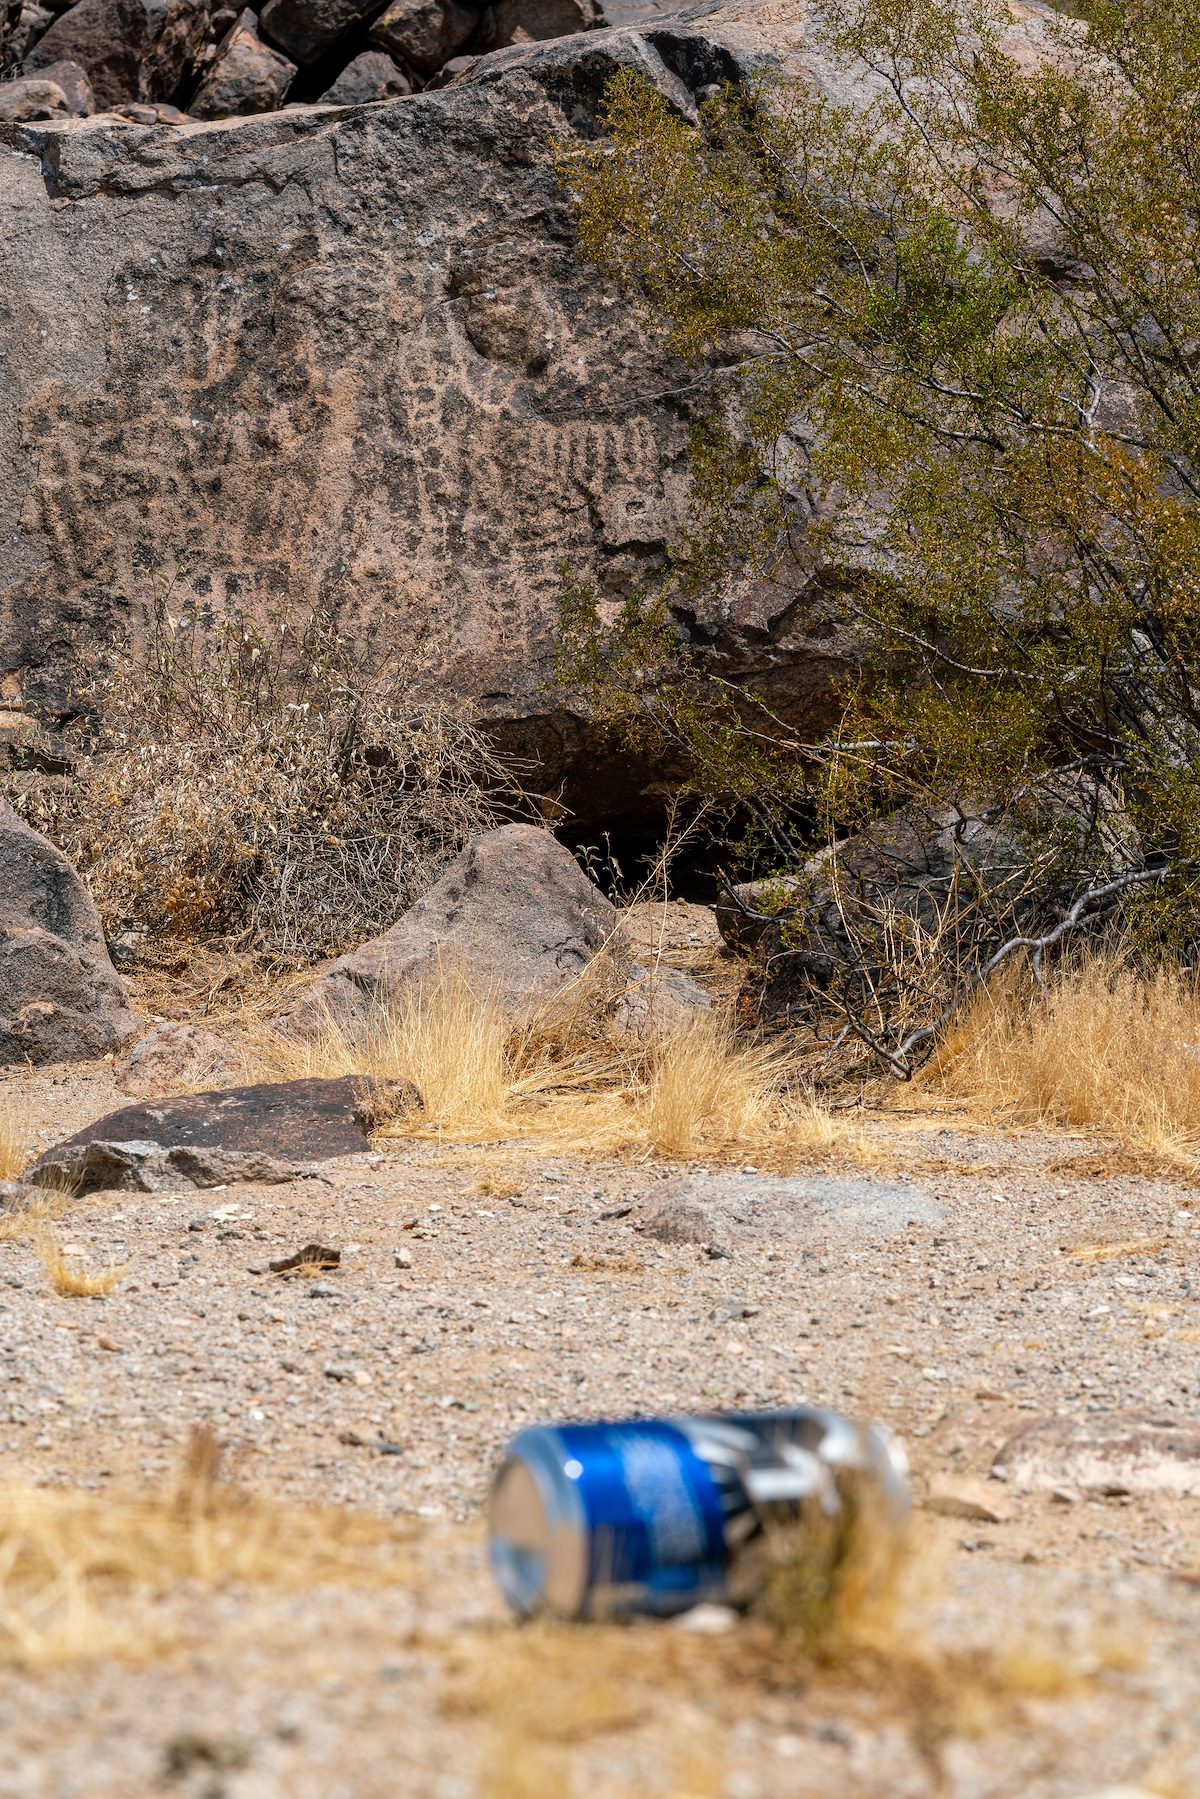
(538, 1534)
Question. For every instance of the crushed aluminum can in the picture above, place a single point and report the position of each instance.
(656, 1515)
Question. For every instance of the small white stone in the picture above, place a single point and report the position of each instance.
(1119, 1793)
(961, 1496)
(707, 1620)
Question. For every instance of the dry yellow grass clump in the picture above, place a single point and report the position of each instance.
(29, 1217)
(699, 1090)
(14, 1145)
(1102, 1047)
(81, 1574)
(69, 1275)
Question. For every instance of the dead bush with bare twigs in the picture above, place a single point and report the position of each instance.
(883, 938)
(1102, 1046)
(265, 785)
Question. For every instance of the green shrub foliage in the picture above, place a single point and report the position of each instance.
(952, 335)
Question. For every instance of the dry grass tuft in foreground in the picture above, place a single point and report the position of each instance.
(1100, 1048)
(82, 1574)
(70, 1276)
(15, 1148)
(30, 1216)
(700, 1090)
(855, 1637)
(830, 1585)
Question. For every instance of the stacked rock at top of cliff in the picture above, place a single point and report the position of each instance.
(218, 61)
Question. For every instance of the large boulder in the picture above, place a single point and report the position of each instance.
(245, 76)
(514, 914)
(353, 358)
(131, 49)
(306, 29)
(516, 917)
(61, 1000)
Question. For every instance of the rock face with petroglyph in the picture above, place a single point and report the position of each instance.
(350, 357)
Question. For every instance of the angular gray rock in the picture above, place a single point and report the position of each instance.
(1106, 1452)
(61, 1000)
(514, 914)
(424, 33)
(306, 29)
(134, 1166)
(529, 21)
(516, 917)
(372, 76)
(245, 76)
(130, 49)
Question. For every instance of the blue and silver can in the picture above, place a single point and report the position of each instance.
(652, 1515)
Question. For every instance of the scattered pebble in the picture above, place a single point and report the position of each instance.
(959, 1496)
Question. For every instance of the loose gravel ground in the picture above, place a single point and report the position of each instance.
(957, 1306)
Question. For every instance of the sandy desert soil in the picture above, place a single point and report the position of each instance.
(1049, 1656)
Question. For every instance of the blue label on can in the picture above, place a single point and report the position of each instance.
(655, 1526)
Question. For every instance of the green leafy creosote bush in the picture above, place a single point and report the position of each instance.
(949, 333)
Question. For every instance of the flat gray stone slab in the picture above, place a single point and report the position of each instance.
(709, 1207)
(1106, 1452)
(205, 1139)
